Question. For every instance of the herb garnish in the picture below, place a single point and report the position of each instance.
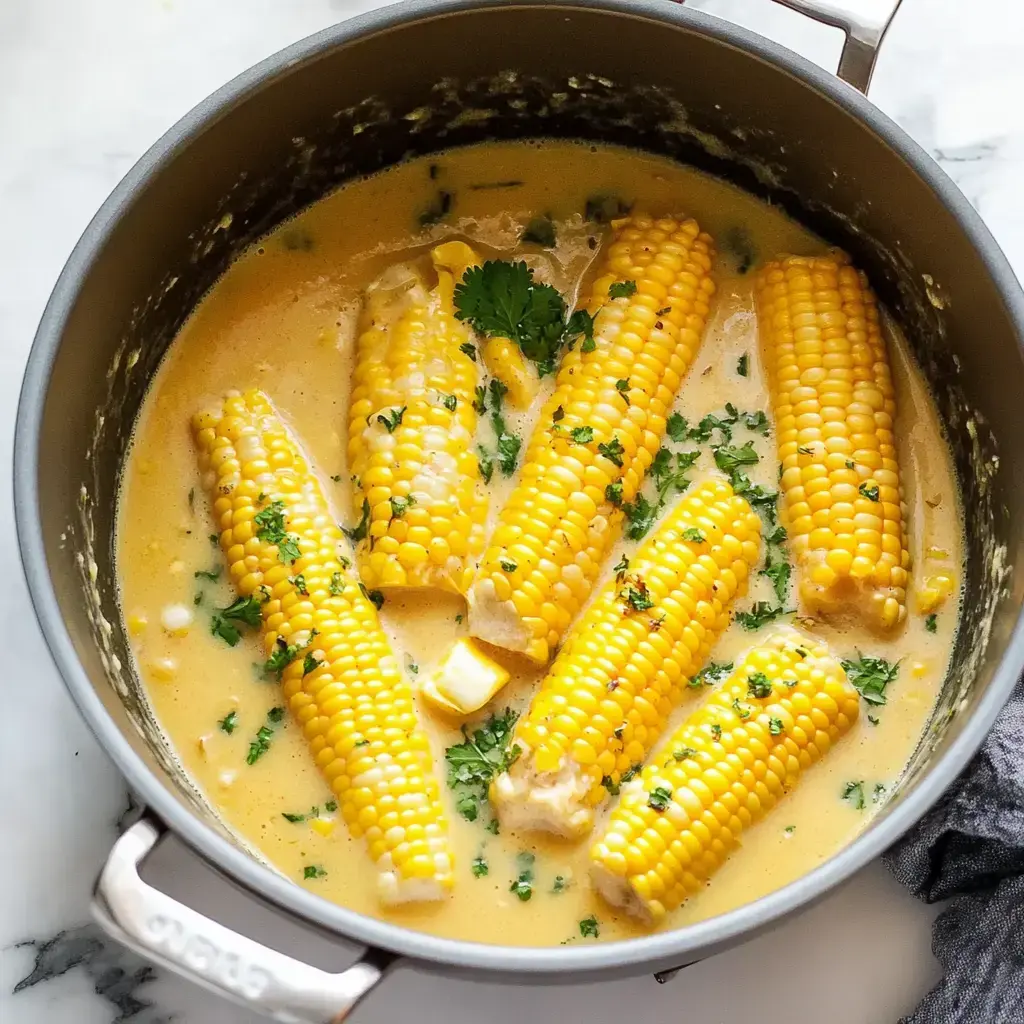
(870, 676)
(261, 744)
(271, 529)
(622, 290)
(481, 756)
(361, 529)
(853, 794)
(659, 798)
(229, 722)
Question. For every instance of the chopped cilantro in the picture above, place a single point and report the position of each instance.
(622, 386)
(716, 731)
(870, 491)
(684, 753)
(261, 744)
(870, 676)
(640, 515)
(589, 927)
(613, 492)
(508, 446)
(337, 584)
(759, 685)
(612, 450)
(559, 885)
(760, 614)
(677, 428)
(741, 710)
(270, 523)
(712, 673)
(637, 596)
(931, 623)
(229, 722)
(620, 568)
(775, 726)
(486, 464)
(729, 459)
(481, 756)
(507, 564)
(853, 794)
(310, 663)
(742, 365)
(480, 867)
(659, 798)
(313, 871)
(622, 290)
(207, 574)
(375, 597)
(361, 529)
(400, 505)
(391, 420)
(778, 572)
(299, 583)
(480, 399)
(450, 402)
(582, 435)
(468, 349)
(693, 535)
(878, 793)
(501, 299)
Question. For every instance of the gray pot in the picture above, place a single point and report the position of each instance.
(356, 98)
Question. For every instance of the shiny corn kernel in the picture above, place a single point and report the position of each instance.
(163, 669)
(670, 262)
(354, 705)
(664, 839)
(137, 623)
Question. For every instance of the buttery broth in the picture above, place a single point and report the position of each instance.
(283, 319)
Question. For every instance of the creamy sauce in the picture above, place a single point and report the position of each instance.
(283, 319)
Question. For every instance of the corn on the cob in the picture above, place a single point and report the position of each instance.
(622, 671)
(340, 678)
(835, 408)
(602, 425)
(411, 431)
(784, 706)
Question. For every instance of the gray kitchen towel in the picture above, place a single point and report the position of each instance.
(970, 850)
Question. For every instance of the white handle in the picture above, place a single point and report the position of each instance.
(169, 933)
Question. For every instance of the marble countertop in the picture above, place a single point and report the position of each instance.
(84, 89)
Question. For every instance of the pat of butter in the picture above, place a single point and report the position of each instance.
(465, 680)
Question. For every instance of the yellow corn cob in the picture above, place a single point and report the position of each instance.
(558, 525)
(726, 767)
(412, 432)
(505, 361)
(355, 707)
(622, 672)
(835, 407)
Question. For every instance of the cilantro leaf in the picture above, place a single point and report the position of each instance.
(361, 529)
(622, 290)
(612, 450)
(501, 299)
(640, 516)
(870, 677)
(391, 420)
(676, 427)
(853, 794)
(760, 614)
(729, 459)
(779, 573)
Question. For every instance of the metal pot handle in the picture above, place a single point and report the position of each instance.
(865, 23)
(237, 968)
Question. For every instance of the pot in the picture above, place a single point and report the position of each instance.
(356, 98)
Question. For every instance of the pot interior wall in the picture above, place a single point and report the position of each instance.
(452, 78)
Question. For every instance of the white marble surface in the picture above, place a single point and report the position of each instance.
(85, 87)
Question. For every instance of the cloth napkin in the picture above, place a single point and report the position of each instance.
(970, 850)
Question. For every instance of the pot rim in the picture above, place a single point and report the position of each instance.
(678, 945)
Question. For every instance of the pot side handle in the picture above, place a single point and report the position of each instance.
(235, 967)
(864, 22)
